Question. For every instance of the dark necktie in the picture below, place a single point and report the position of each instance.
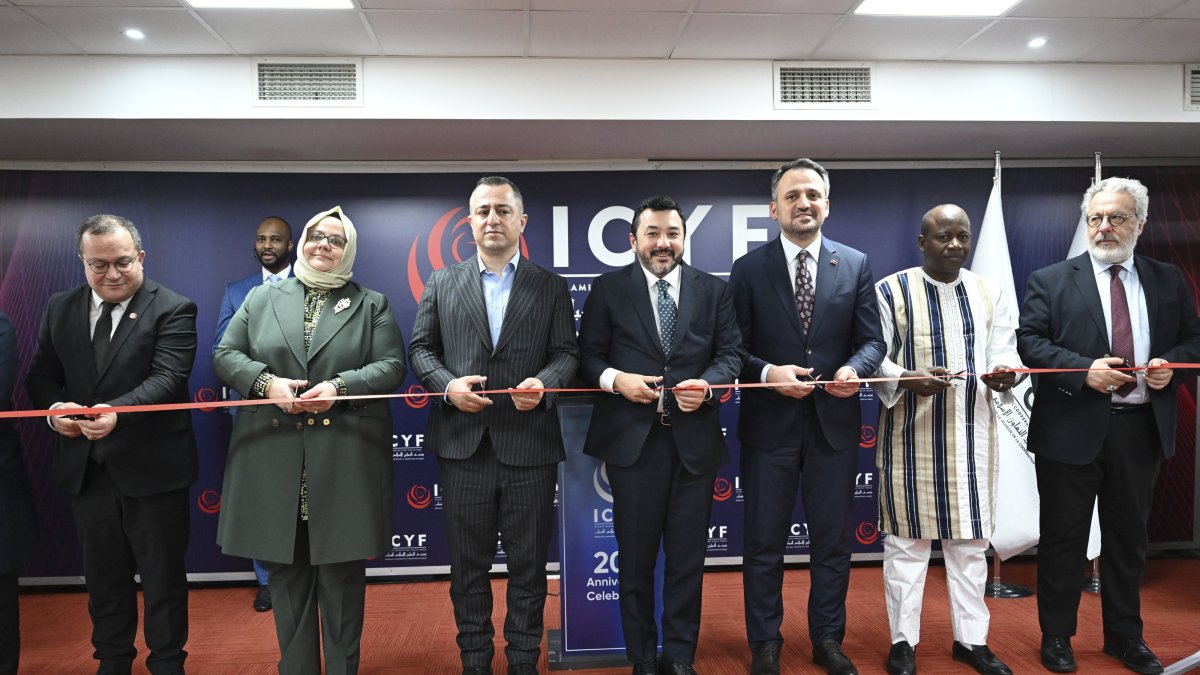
(1122, 327)
(103, 333)
(667, 312)
(804, 290)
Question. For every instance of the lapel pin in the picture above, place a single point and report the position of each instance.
(133, 315)
(341, 304)
(833, 261)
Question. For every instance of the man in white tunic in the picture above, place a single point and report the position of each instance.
(936, 453)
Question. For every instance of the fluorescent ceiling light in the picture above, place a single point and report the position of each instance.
(935, 7)
(271, 4)
(1037, 42)
(134, 34)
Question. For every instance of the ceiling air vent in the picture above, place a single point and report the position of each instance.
(1191, 86)
(308, 82)
(822, 85)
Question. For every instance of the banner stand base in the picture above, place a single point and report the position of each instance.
(1005, 591)
(560, 661)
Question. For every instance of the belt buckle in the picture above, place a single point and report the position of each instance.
(664, 419)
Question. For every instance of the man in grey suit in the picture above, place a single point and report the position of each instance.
(496, 321)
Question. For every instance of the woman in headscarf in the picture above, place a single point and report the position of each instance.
(308, 483)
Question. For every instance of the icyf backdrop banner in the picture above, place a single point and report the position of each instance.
(198, 231)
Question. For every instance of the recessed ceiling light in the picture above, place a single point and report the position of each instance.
(935, 7)
(1037, 42)
(134, 34)
(271, 4)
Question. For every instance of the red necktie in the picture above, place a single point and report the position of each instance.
(1122, 327)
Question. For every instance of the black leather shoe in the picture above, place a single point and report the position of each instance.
(262, 599)
(646, 667)
(766, 659)
(1057, 655)
(522, 669)
(1134, 655)
(477, 670)
(902, 659)
(980, 658)
(676, 668)
(828, 654)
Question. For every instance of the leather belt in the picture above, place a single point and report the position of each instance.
(664, 419)
(1125, 409)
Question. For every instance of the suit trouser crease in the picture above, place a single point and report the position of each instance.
(657, 500)
(122, 536)
(1122, 476)
(486, 499)
(905, 564)
(315, 605)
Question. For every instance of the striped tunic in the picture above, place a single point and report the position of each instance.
(936, 455)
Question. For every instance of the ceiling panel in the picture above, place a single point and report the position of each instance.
(449, 33)
(98, 30)
(1066, 39)
(1113, 9)
(872, 38)
(603, 34)
(443, 4)
(1156, 41)
(1188, 10)
(777, 6)
(611, 5)
(264, 31)
(20, 34)
(751, 36)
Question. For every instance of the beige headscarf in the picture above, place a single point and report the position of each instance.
(339, 275)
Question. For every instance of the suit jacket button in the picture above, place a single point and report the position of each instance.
(311, 421)
(275, 423)
(325, 421)
(299, 426)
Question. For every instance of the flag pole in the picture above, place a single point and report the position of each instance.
(1092, 583)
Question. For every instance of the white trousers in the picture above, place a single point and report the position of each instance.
(905, 562)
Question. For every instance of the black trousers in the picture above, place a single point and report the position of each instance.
(825, 479)
(314, 603)
(1122, 476)
(485, 499)
(10, 623)
(122, 536)
(656, 501)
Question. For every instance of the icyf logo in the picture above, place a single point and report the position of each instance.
(867, 437)
(600, 482)
(209, 501)
(722, 489)
(206, 395)
(867, 533)
(419, 397)
(419, 497)
(460, 247)
(727, 395)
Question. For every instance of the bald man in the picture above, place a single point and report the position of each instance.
(937, 454)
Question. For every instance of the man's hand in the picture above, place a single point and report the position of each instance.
(460, 395)
(690, 394)
(787, 377)
(637, 388)
(99, 426)
(1105, 380)
(1157, 378)
(65, 425)
(322, 389)
(842, 387)
(935, 381)
(530, 400)
(1000, 379)
(282, 387)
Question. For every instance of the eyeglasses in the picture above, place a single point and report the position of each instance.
(1114, 219)
(332, 239)
(101, 266)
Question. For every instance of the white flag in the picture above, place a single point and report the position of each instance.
(1078, 247)
(1017, 502)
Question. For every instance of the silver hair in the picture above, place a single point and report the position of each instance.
(1130, 186)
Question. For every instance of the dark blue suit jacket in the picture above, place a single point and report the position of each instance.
(1062, 326)
(845, 330)
(618, 330)
(235, 295)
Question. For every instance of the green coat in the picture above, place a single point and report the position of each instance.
(347, 449)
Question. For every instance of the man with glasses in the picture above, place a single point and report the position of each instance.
(1102, 430)
(272, 249)
(122, 340)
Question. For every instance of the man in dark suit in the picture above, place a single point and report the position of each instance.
(806, 308)
(17, 528)
(123, 340)
(659, 325)
(1102, 433)
(496, 321)
(272, 249)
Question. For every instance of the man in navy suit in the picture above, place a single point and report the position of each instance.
(272, 249)
(1099, 432)
(654, 326)
(807, 309)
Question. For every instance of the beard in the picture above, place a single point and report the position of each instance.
(1111, 255)
(659, 269)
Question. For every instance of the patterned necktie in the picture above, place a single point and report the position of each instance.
(667, 312)
(804, 290)
(103, 333)
(272, 278)
(1122, 327)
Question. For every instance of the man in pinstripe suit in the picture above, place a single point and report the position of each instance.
(496, 321)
